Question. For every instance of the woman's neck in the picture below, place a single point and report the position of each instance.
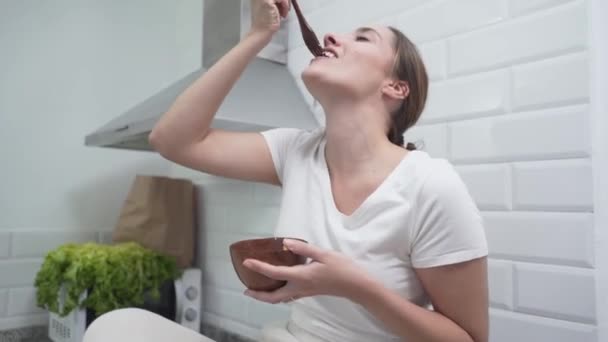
(355, 144)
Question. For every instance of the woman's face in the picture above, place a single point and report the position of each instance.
(358, 64)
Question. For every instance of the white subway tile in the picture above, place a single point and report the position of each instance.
(542, 237)
(22, 301)
(179, 171)
(482, 94)
(228, 304)
(435, 60)
(217, 244)
(32, 244)
(518, 7)
(105, 237)
(17, 273)
(500, 279)
(260, 313)
(5, 244)
(559, 292)
(551, 32)
(509, 327)
(221, 274)
(490, 185)
(343, 16)
(226, 192)
(3, 302)
(432, 139)
(258, 221)
(555, 133)
(556, 81)
(449, 17)
(9, 323)
(553, 185)
(212, 216)
(266, 194)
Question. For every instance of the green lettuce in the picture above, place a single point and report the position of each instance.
(116, 276)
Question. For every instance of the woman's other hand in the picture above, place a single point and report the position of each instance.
(329, 273)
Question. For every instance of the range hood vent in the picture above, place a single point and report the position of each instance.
(247, 107)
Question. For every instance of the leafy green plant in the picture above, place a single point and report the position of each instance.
(116, 276)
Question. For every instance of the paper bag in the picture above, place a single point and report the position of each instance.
(159, 213)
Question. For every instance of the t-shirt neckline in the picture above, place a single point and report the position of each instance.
(362, 208)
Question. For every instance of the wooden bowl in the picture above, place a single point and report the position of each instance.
(269, 250)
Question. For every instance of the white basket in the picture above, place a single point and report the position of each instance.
(71, 327)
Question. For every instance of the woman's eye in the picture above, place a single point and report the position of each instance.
(362, 39)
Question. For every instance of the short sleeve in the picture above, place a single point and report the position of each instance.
(280, 141)
(448, 227)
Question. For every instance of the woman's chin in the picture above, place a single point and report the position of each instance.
(316, 76)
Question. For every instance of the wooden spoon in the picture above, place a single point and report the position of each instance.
(310, 38)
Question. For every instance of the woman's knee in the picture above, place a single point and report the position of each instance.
(135, 325)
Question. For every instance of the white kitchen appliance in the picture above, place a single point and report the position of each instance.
(182, 299)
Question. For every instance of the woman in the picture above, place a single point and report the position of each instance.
(391, 230)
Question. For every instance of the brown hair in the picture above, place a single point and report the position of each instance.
(408, 67)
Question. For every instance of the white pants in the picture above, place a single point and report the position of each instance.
(136, 325)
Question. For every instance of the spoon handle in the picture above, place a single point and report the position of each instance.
(309, 36)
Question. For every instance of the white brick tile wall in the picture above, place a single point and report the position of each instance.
(266, 194)
(179, 171)
(556, 292)
(217, 244)
(9, 323)
(564, 134)
(432, 139)
(228, 304)
(558, 81)
(553, 185)
(472, 14)
(509, 327)
(541, 237)
(226, 192)
(212, 216)
(34, 244)
(558, 30)
(490, 185)
(22, 301)
(434, 56)
(5, 245)
(472, 96)
(3, 302)
(251, 220)
(105, 237)
(18, 273)
(500, 279)
(221, 274)
(359, 12)
(518, 7)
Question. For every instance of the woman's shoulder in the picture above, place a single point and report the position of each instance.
(436, 176)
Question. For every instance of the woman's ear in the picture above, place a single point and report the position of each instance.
(396, 89)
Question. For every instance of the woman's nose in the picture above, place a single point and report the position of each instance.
(330, 39)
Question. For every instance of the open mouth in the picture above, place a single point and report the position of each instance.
(329, 54)
(326, 54)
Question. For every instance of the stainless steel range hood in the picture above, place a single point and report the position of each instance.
(247, 107)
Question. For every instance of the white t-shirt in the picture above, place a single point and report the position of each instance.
(420, 216)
